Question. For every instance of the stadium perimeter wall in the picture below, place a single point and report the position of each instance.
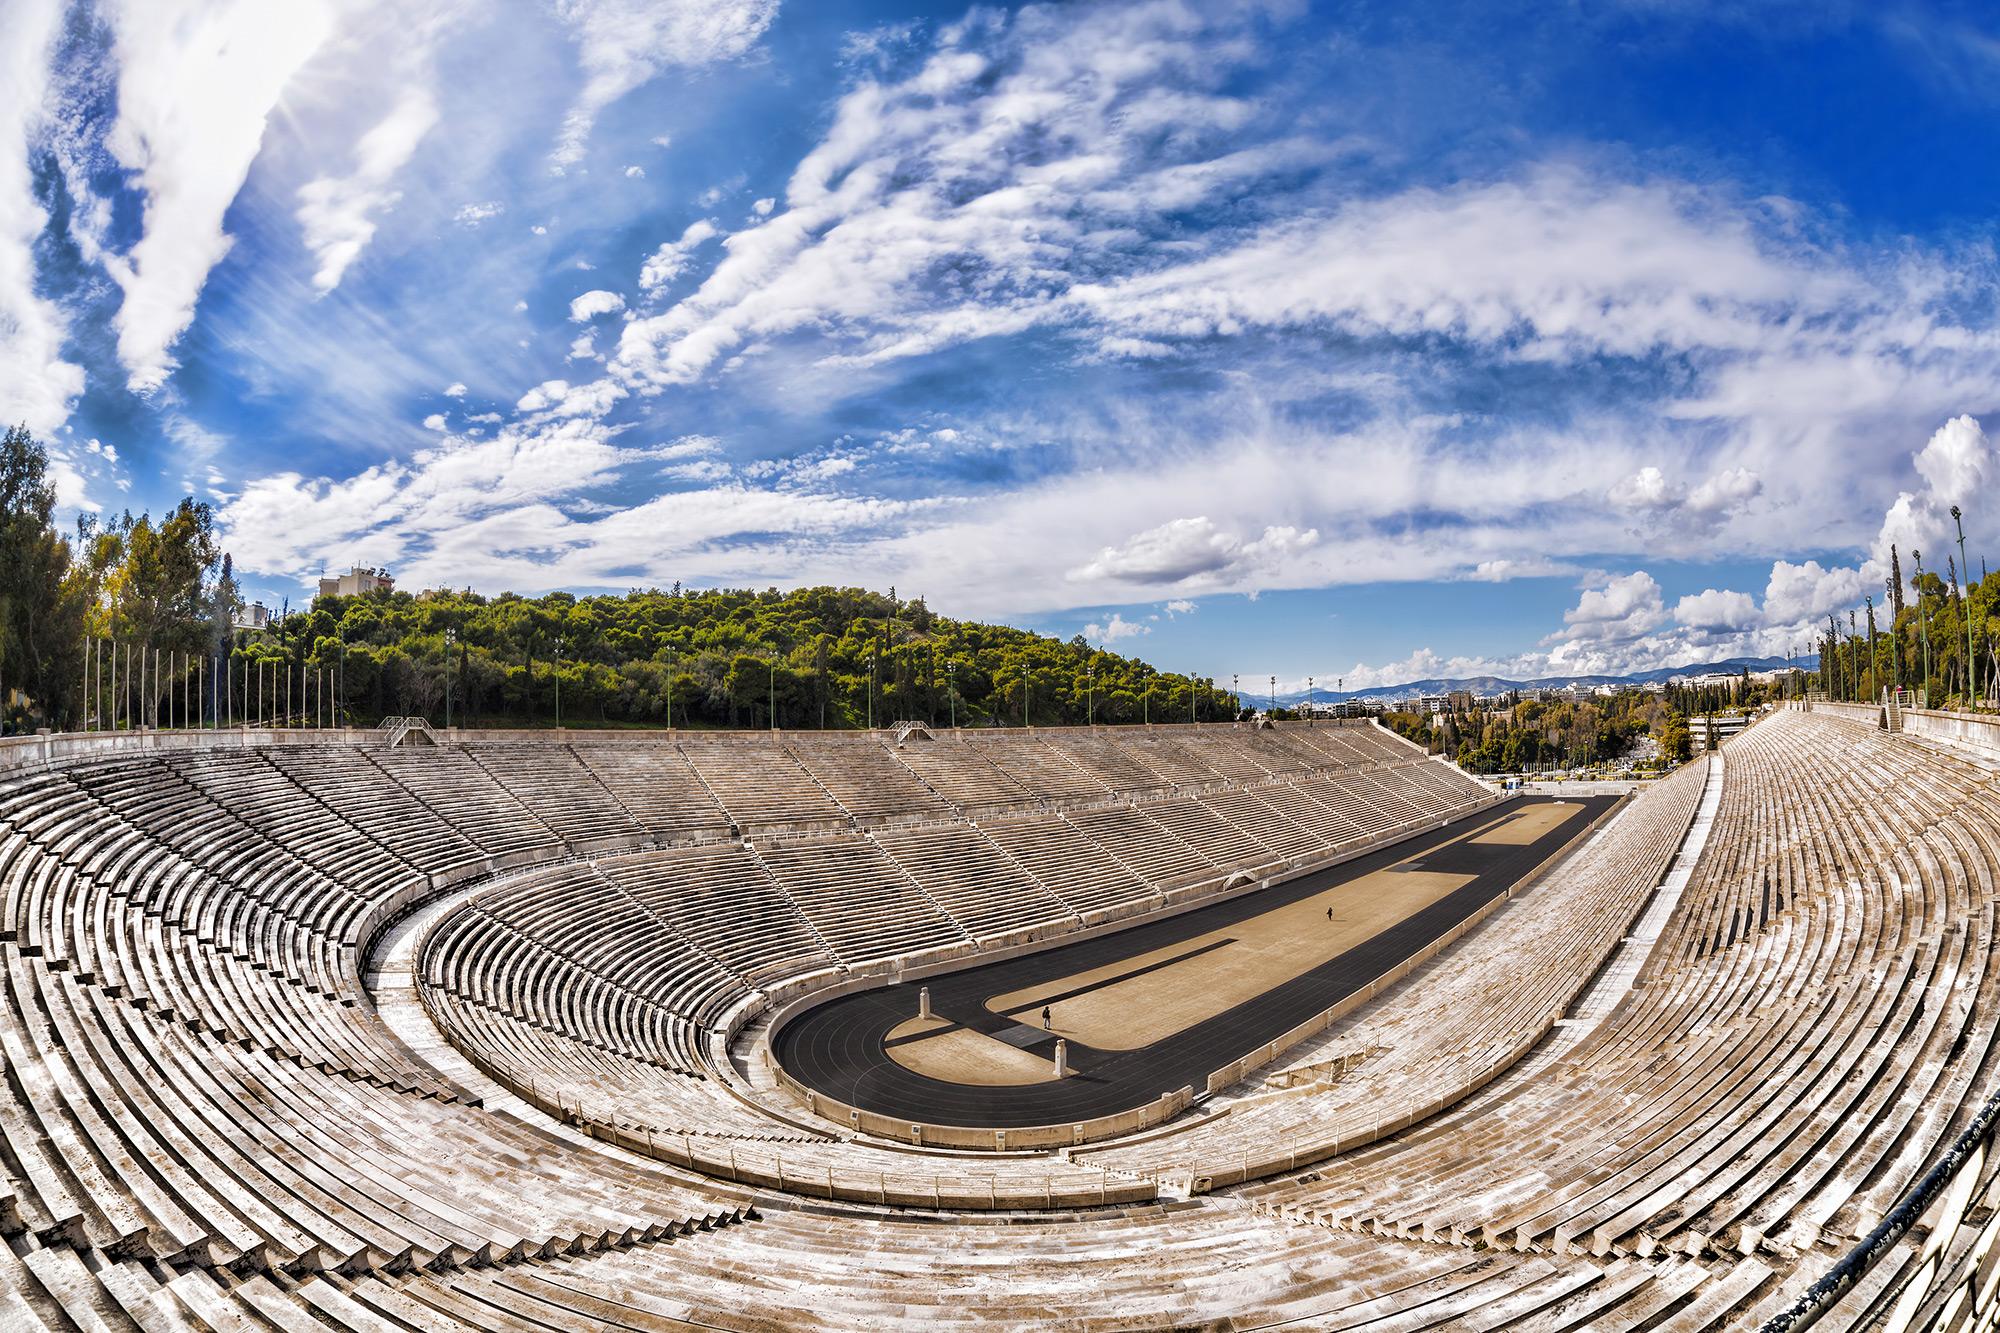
(1972, 731)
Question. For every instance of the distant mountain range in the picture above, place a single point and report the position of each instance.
(1500, 684)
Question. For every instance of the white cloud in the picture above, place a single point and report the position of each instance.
(594, 303)
(1114, 629)
(455, 389)
(1957, 462)
(762, 208)
(1726, 491)
(667, 263)
(37, 385)
(623, 43)
(1717, 609)
(542, 395)
(435, 421)
(1645, 489)
(635, 173)
(471, 215)
(1180, 606)
(1624, 608)
(338, 214)
(1186, 549)
(492, 513)
(196, 83)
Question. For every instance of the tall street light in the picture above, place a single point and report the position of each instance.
(450, 642)
(1924, 621)
(1971, 663)
(558, 675)
(1895, 640)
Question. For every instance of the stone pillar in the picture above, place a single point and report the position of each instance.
(1062, 1058)
(924, 1002)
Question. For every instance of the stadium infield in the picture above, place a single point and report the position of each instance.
(1155, 1008)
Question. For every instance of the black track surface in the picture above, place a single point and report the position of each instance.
(838, 1048)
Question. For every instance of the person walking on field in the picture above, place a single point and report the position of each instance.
(1045, 1018)
(1329, 914)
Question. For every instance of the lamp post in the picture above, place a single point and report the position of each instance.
(871, 691)
(1971, 663)
(773, 664)
(1309, 701)
(1274, 694)
(1895, 641)
(1874, 664)
(670, 689)
(951, 675)
(1235, 696)
(1090, 698)
(1924, 623)
(1854, 655)
(450, 641)
(557, 673)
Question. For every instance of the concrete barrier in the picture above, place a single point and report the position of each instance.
(1979, 732)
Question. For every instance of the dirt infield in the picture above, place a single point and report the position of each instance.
(960, 1055)
(1526, 826)
(1252, 957)
(1158, 1006)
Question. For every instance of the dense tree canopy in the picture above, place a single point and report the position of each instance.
(131, 618)
(819, 657)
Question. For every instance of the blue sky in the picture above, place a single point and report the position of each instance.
(1368, 341)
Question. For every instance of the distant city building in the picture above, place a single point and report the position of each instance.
(254, 616)
(1724, 727)
(1434, 704)
(1460, 701)
(356, 582)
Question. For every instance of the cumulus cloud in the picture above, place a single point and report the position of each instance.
(435, 421)
(1186, 549)
(1626, 607)
(471, 215)
(594, 303)
(1647, 488)
(1726, 491)
(623, 43)
(196, 84)
(1717, 609)
(455, 389)
(1180, 606)
(1112, 630)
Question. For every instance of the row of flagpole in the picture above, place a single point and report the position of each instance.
(180, 690)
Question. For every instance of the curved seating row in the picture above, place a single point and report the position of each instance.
(205, 1124)
(1815, 1022)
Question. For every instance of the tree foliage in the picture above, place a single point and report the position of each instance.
(812, 657)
